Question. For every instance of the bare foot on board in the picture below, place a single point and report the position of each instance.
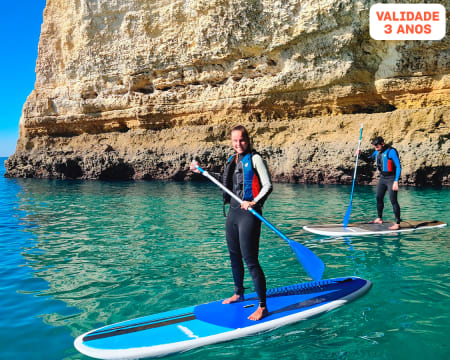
(376, 221)
(394, 227)
(260, 313)
(233, 299)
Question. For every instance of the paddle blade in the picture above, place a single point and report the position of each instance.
(310, 261)
(347, 215)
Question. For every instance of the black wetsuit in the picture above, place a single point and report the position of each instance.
(385, 184)
(242, 233)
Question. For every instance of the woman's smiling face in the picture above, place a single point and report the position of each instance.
(239, 142)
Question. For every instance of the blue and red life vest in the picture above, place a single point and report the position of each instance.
(247, 185)
(388, 162)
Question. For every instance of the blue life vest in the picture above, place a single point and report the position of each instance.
(386, 160)
(247, 186)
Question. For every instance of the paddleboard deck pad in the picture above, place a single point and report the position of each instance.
(191, 327)
(359, 229)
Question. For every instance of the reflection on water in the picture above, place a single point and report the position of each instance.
(94, 253)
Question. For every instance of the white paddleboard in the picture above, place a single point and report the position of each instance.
(360, 229)
(191, 327)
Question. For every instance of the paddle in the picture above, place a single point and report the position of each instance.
(310, 261)
(349, 209)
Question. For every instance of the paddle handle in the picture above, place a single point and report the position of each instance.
(235, 197)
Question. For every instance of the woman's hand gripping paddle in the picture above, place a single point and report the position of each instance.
(310, 261)
(349, 209)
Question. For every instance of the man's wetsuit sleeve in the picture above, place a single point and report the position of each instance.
(264, 176)
(368, 158)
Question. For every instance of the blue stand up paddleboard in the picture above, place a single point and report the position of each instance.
(191, 327)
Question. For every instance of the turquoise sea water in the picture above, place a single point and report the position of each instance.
(76, 255)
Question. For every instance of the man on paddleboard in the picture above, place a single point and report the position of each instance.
(247, 176)
(388, 164)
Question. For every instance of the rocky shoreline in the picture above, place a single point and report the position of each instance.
(319, 150)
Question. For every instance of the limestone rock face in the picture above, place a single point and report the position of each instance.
(135, 88)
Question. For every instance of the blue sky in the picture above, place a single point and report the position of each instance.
(20, 27)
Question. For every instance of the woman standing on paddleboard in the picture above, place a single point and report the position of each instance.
(247, 176)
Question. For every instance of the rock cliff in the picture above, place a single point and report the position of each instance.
(135, 88)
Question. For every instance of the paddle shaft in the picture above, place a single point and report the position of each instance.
(235, 197)
(356, 163)
(349, 208)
